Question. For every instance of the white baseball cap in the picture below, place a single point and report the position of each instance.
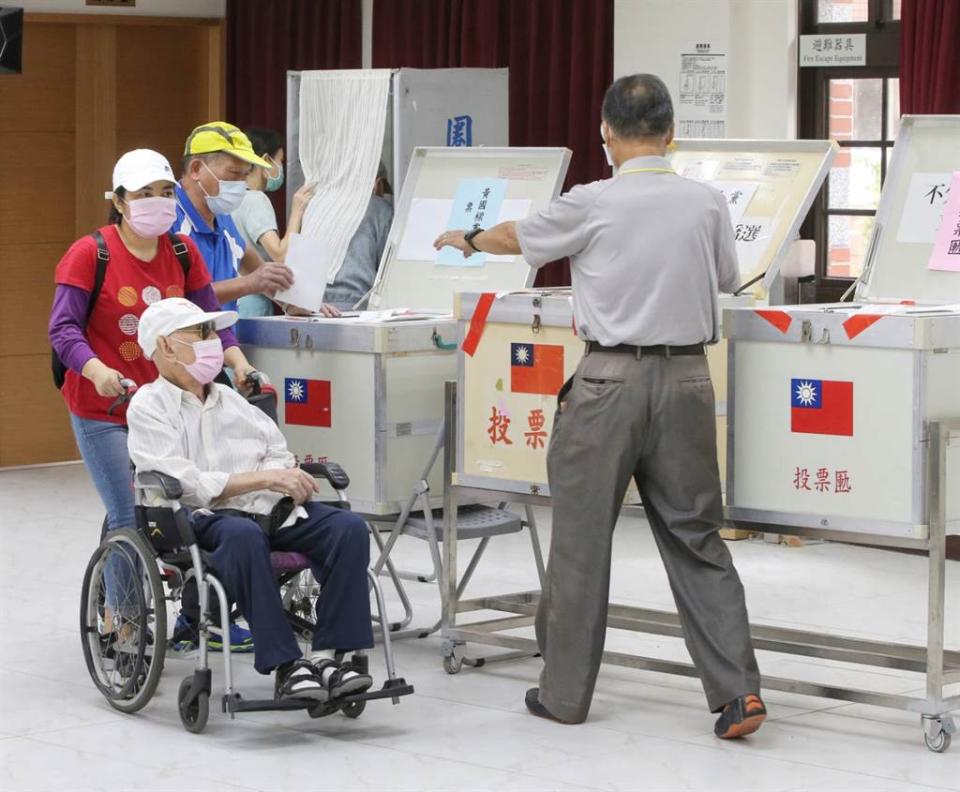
(140, 167)
(167, 316)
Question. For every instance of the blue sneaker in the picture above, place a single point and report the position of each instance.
(241, 640)
(184, 635)
(185, 638)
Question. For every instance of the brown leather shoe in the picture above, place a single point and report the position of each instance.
(740, 717)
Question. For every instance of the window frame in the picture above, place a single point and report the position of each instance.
(813, 111)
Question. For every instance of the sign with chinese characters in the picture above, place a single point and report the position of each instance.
(476, 205)
(509, 405)
(822, 480)
(849, 49)
(946, 246)
(702, 97)
(460, 131)
(923, 207)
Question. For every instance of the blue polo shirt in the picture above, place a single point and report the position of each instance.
(222, 246)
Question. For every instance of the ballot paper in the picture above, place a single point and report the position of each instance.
(309, 258)
(428, 218)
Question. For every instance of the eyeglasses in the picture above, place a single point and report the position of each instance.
(205, 330)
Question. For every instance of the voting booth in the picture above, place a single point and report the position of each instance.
(830, 404)
(367, 390)
(425, 107)
(524, 345)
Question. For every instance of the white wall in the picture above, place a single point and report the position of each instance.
(178, 8)
(761, 44)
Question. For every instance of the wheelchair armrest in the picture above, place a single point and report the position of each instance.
(331, 471)
(153, 479)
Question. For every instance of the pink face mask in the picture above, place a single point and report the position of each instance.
(151, 217)
(208, 362)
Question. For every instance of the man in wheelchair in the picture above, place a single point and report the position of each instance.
(247, 496)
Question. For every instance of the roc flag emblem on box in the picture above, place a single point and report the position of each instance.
(306, 402)
(536, 368)
(821, 407)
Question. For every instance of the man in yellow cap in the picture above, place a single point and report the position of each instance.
(217, 159)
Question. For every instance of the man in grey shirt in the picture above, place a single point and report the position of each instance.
(649, 251)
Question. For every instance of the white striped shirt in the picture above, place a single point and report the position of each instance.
(202, 443)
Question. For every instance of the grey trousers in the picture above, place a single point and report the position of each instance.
(653, 419)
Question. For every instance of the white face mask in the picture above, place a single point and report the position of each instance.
(229, 196)
(606, 149)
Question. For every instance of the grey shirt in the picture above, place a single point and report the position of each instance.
(359, 269)
(649, 253)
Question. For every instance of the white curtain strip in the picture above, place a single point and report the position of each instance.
(343, 116)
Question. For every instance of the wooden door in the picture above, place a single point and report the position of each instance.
(92, 87)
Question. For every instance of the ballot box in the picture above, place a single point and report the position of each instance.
(367, 391)
(518, 349)
(829, 405)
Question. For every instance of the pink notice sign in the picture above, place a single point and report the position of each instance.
(946, 247)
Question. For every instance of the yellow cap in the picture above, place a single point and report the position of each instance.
(221, 136)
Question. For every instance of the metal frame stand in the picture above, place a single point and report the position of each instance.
(444, 441)
(940, 667)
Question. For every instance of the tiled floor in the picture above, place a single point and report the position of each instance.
(646, 731)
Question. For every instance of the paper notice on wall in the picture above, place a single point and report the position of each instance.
(946, 246)
(923, 208)
(701, 110)
(738, 195)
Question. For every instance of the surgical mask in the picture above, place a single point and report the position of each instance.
(229, 196)
(274, 182)
(151, 217)
(606, 149)
(208, 359)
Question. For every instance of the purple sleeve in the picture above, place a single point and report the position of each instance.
(207, 300)
(68, 317)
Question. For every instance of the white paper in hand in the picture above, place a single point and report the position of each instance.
(309, 258)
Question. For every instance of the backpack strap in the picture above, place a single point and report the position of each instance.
(103, 258)
(182, 252)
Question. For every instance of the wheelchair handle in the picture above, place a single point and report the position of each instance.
(256, 381)
(129, 388)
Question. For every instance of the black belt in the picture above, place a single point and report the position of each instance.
(639, 351)
(269, 523)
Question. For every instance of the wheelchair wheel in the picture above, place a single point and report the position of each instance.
(123, 620)
(194, 715)
(354, 709)
(299, 596)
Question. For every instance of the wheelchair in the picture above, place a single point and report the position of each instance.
(133, 574)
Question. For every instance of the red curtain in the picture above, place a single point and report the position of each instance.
(264, 40)
(930, 57)
(560, 56)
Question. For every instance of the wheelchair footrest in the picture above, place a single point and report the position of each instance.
(392, 689)
(236, 703)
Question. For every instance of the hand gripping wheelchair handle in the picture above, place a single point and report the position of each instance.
(263, 394)
(331, 471)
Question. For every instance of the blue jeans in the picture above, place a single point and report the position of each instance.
(103, 446)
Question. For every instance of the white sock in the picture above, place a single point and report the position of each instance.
(328, 654)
